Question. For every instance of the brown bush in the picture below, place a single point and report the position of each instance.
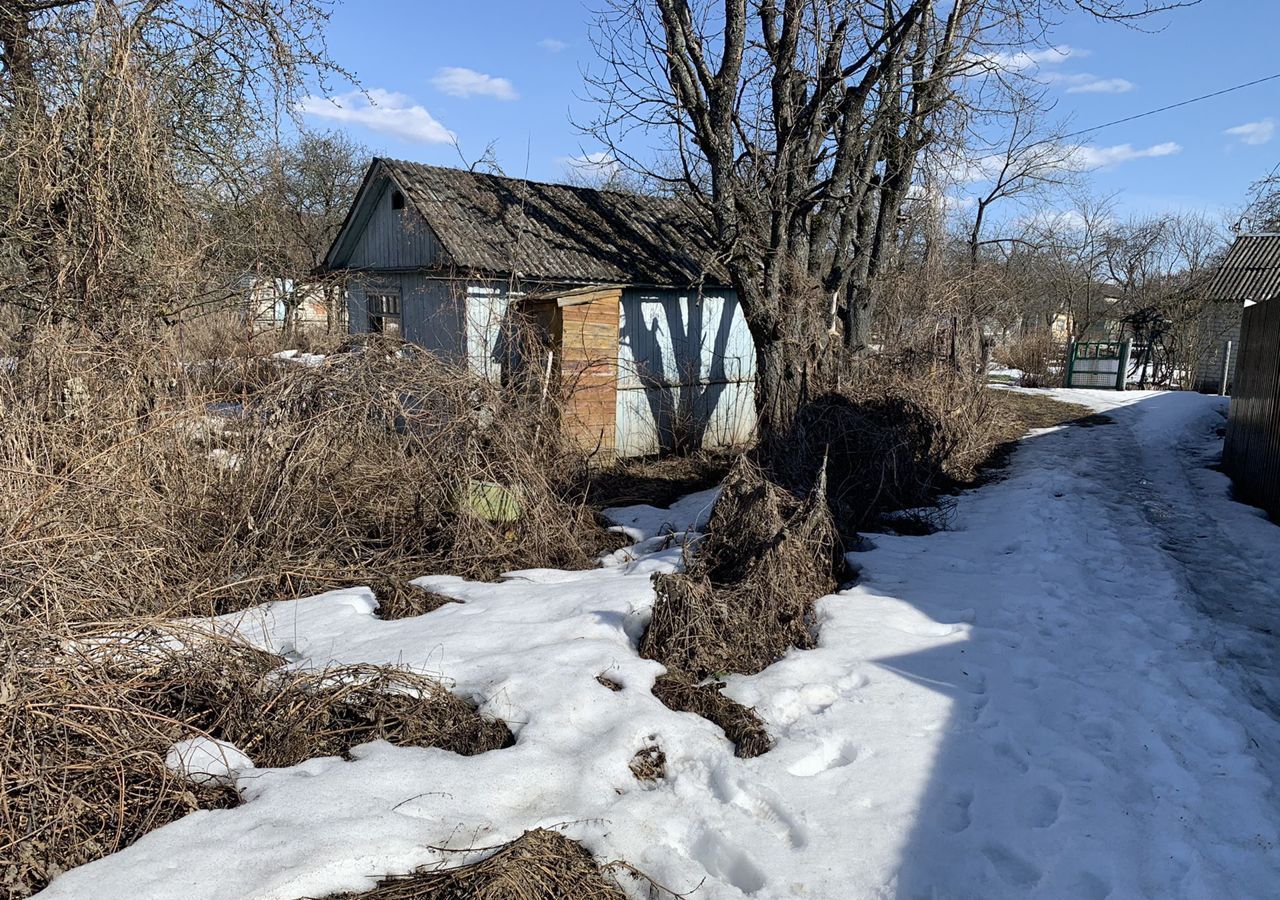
(747, 594)
(1034, 354)
(86, 722)
(906, 430)
(139, 483)
(539, 865)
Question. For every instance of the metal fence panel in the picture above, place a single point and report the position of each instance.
(1251, 455)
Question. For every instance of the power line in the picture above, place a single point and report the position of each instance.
(1152, 112)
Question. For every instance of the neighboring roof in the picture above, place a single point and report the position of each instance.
(1250, 271)
(508, 226)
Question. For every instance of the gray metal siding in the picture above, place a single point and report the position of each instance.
(686, 371)
(394, 238)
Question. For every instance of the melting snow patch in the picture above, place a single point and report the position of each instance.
(203, 760)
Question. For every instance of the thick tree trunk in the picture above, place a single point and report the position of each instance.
(790, 373)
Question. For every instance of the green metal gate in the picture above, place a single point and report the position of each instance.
(1097, 364)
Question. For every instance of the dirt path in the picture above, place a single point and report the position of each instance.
(1224, 556)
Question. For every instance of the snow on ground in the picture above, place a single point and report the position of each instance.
(203, 760)
(1069, 695)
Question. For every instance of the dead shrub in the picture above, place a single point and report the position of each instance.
(649, 764)
(740, 724)
(658, 481)
(86, 722)
(134, 485)
(539, 865)
(747, 595)
(1034, 354)
(901, 433)
(905, 430)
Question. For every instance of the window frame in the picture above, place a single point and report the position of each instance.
(383, 308)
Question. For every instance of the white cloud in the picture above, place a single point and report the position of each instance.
(600, 164)
(1105, 157)
(1029, 59)
(457, 81)
(1254, 133)
(385, 112)
(1088, 84)
(552, 45)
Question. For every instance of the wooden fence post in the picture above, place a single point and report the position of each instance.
(1123, 372)
(1226, 370)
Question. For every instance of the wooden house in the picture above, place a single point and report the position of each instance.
(639, 318)
(1249, 274)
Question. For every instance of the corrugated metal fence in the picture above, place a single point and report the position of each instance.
(1252, 452)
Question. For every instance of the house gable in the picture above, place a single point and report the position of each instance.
(385, 231)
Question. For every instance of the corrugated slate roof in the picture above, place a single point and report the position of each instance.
(495, 225)
(1250, 271)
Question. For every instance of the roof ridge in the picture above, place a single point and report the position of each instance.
(531, 181)
(494, 223)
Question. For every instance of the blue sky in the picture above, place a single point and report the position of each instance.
(511, 73)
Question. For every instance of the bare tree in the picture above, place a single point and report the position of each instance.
(114, 116)
(277, 216)
(796, 130)
(1160, 266)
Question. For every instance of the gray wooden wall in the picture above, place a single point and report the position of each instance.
(686, 371)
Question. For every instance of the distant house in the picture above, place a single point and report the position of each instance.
(1101, 324)
(277, 302)
(1249, 274)
(638, 316)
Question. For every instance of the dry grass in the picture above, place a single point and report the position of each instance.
(136, 483)
(649, 764)
(87, 722)
(606, 681)
(139, 483)
(740, 724)
(539, 865)
(401, 599)
(658, 481)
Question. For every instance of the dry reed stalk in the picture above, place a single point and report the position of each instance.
(747, 595)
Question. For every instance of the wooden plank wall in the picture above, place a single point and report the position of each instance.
(393, 238)
(1251, 455)
(588, 340)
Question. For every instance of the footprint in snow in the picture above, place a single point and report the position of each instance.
(1013, 869)
(1038, 807)
(726, 862)
(953, 813)
(833, 754)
